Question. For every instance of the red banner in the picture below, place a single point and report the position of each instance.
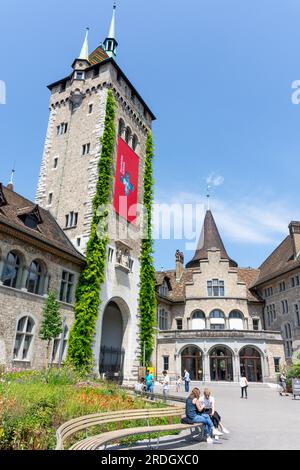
(126, 182)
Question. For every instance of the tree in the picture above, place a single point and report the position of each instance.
(88, 292)
(147, 297)
(51, 326)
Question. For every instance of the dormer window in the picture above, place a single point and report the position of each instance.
(79, 75)
(31, 217)
(163, 289)
(3, 201)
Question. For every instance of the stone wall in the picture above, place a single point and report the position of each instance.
(16, 303)
(73, 184)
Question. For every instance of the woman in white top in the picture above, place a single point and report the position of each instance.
(208, 402)
(244, 386)
(165, 383)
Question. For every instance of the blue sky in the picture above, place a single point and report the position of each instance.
(217, 74)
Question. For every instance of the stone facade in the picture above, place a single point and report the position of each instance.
(18, 301)
(279, 285)
(71, 177)
(209, 315)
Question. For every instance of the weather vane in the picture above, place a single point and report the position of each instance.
(208, 195)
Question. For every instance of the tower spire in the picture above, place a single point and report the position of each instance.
(84, 53)
(110, 42)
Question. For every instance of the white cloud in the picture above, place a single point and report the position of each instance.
(214, 180)
(248, 221)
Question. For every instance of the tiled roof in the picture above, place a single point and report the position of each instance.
(97, 56)
(209, 238)
(177, 294)
(249, 276)
(280, 261)
(47, 231)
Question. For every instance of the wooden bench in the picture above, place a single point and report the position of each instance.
(84, 422)
(95, 442)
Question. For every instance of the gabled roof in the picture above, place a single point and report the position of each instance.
(209, 238)
(279, 262)
(47, 231)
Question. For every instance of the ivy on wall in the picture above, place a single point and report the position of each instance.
(80, 351)
(147, 297)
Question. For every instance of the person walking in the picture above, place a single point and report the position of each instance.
(282, 383)
(244, 386)
(187, 380)
(178, 384)
(165, 383)
(149, 383)
(194, 413)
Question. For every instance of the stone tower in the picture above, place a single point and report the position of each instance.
(67, 184)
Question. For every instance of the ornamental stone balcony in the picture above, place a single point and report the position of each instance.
(222, 334)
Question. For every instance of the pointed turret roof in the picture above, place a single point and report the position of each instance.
(112, 29)
(210, 238)
(84, 53)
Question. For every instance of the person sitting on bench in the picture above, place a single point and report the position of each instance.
(194, 409)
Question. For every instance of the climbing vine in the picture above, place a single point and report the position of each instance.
(147, 297)
(88, 291)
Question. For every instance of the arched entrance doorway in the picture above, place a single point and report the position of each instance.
(192, 361)
(250, 364)
(221, 368)
(111, 361)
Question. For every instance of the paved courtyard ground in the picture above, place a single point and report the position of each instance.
(264, 421)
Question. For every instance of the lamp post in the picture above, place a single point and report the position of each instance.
(156, 350)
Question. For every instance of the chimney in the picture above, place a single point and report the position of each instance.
(179, 264)
(295, 236)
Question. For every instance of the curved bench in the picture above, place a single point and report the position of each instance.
(93, 443)
(84, 422)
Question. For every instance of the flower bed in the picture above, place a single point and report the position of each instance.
(34, 404)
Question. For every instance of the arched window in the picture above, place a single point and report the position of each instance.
(192, 361)
(60, 346)
(24, 339)
(128, 135)
(121, 127)
(287, 338)
(163, 318)
(34, 279)
(236, 320)
(217, 320)
(198, 320)
(12, 270)
(134, 142)
(221, 365)
(250, 364)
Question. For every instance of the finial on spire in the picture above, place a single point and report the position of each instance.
(84, 53)
(208, 197)
(11, 182)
